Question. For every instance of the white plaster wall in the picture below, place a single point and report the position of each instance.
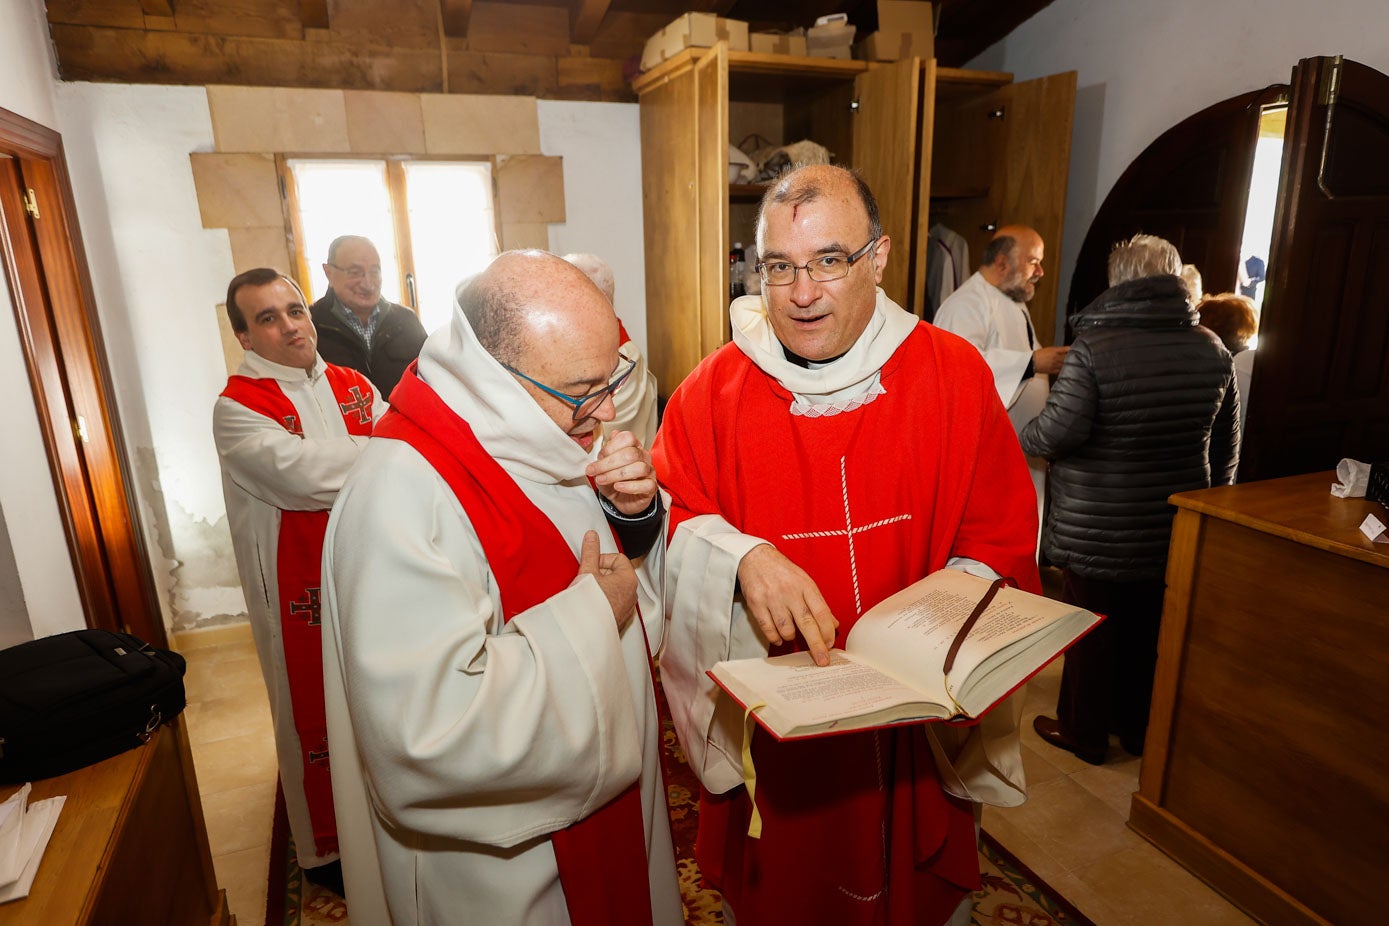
(27, 70)
(601, 147)
(45, 599)
(158, 276)
(1144, 67)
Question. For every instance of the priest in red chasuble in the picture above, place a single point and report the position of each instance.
(836, 451)
(288, 427)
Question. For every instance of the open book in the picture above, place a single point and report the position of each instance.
(894, 668)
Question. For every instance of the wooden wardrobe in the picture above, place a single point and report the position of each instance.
(971, 149)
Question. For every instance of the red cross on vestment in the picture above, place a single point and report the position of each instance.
(313, 608)
(360, 404)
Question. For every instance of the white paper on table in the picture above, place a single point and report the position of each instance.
(1374, 528)
(19, 862)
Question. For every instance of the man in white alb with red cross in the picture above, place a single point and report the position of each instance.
(288, 427)
(837, 451)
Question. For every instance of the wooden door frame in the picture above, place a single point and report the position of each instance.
(54, 305)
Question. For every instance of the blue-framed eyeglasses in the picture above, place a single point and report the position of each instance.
(584, 405)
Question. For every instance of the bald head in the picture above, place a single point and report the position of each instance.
(532, 302)
(1012, 261)
(597, 270)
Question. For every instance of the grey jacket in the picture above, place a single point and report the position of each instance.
(1144, 406)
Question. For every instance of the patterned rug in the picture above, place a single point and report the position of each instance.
(1011, 896)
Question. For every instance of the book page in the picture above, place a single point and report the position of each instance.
(909, 634)
(799, 693)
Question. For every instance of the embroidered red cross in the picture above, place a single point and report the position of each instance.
(318, 755)
(312, 607)
(292, 425)
(359, 404)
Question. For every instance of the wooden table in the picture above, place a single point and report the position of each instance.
(1266, 768)
(130, 845)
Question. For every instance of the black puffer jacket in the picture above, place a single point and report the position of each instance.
(1145, 406)
(398, 339)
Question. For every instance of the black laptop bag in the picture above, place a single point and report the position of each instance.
(73, 699)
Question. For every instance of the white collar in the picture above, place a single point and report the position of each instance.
(257, 367)
(854, 376)
(507, 421)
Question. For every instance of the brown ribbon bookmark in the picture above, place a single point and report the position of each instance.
(970, 622)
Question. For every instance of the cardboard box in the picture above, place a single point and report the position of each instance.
(895, 46)
(906, 29)
(777, 43)
(834, 40)
(701, 30)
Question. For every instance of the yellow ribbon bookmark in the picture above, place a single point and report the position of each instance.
(749, 773)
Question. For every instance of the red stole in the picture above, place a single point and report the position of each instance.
(602, 858)
(298, 566)
(866, 501)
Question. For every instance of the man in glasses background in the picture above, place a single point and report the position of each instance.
(484, 643)
(357, 326)
(837, 451)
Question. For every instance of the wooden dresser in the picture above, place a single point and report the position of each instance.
(1266, 768)
(130, 845)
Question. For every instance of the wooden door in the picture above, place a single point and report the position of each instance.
(1190, 186)
(1320, 388)
(884, 152)
(55, 311)
(684, 153)
(711, 156)
(1030, 188)
(921, 211)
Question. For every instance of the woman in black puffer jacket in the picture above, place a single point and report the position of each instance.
(1144, 406)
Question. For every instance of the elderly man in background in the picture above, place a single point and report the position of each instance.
(1145, 406)
(357, 326)
(487, 661)
(636, 403)
(837, 451)
(989, 310)
(288, 427)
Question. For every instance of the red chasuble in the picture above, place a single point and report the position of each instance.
(602, 858)
(856, 828)
(298, 559)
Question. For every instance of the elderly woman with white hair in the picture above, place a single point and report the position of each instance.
(1144, 406)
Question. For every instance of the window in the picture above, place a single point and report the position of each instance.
(433, 223)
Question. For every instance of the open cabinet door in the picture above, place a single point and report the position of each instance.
(1036, 166)
(885, 137)
(1320, 387)
(685, 211)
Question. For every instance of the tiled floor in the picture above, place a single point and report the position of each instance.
(1071, 831)
(228, 719)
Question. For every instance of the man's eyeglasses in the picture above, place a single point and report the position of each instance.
(584, 405)
(357, 273)
(822, 269)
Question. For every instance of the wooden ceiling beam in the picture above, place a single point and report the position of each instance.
(585, 16)
(456, 15)
(157, 7)
(313, 14)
